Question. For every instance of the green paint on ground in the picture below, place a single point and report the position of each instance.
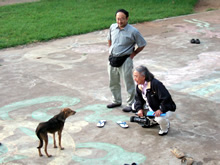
(39, 114)
(115, 155)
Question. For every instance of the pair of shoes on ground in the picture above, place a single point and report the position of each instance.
(162, 133)
(102, 123)
(195, 41)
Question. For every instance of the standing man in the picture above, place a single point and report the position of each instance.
(122, 38)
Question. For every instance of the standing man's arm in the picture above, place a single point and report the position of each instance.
(138, 50)
(109, 43)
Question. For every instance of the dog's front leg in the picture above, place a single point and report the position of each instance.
(59, 135)
(54, 141)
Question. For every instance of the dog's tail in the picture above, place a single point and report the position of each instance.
(40, 138)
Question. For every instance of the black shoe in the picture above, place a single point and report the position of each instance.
(197, 41)
(193, 41)
(113, 105)
(127, 109)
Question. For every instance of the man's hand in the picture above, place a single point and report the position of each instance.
(136, 52)
(140, 113)
(132, 55)
(158, 113)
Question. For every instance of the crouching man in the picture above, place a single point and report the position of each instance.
(151, 93)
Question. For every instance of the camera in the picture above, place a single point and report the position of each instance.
(145, 122)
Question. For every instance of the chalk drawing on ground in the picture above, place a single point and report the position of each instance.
(198, 27)
(199, 77)
(43, 56)
(17, 149)
(114, 154)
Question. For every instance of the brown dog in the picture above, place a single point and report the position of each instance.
(53, 125)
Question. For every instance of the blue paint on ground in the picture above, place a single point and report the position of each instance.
(39, 114)
(115, 155)
(204, 87)
(4, 158)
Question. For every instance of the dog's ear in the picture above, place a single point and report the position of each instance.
(66, 113)
(64, 109)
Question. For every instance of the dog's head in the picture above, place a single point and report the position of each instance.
(68, 112)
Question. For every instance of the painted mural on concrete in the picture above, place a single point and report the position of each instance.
(15, 149)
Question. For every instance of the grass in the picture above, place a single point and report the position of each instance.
(49, 19)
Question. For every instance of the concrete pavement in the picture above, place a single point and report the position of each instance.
(38, 80)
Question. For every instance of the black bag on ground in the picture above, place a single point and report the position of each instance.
(117, 61)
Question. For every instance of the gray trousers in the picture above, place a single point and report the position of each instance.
(126, 73)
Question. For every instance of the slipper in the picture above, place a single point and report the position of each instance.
(101, 123)
(179, 154)
(122, 124)
(187, 161)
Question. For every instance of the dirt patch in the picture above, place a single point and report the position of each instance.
(206, 5)
(10, 2)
